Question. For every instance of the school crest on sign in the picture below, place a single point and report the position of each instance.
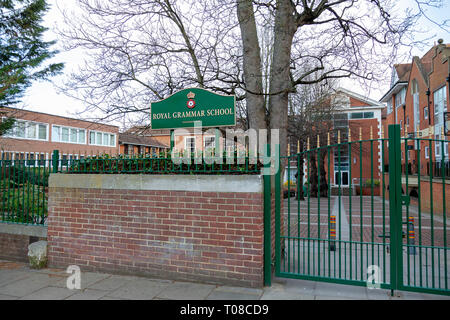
(191, 101)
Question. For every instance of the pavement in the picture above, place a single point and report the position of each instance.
(19, 282)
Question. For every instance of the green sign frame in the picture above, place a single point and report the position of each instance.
(188, 106)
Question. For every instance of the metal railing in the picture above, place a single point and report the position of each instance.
(24, 182)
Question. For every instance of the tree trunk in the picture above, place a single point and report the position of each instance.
(280, 81)
(252, 65)
(323, 176)
(313, 179)
(300, 174)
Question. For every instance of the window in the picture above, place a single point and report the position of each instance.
(389, 106)
(28, 130)
(41, 160)
(68, 135)
(425, 113)
(357, 115)
(400, 98)
(102, 139)
(415, 87)
(440, 103)
(427, 152)
(31, 130)
(190, 144)
(30, 159)
(437, 146)
(209, 144)
(64, 160)
(401, 124)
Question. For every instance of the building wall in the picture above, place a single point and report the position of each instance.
(198, 228)
(46, 147)
(369, 163)
(14, 247)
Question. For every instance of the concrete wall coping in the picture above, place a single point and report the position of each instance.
(22, 229)
(196, 183)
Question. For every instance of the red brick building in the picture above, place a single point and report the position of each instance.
(360, 116)
(418, 101)
(132, 144)
(35, 135)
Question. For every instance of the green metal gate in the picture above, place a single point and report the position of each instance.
(358, 223)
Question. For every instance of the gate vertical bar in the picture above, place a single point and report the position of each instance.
(395, 207)
(267, 219)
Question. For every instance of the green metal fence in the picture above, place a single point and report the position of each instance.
(24, 182)
(354, 225)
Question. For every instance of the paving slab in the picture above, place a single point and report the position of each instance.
(23, 287)
(87, 279)
(88, 294)
(282, 294)
(6, 297)
(228, 295)
(111, 283)
(378, 294)
(17, 281)
(110, 298)
(324, 297)
(295, 286)
(49, 293)
(139, 290)
(240, 290)
(340, 290)
(186, 291)
(8, 276)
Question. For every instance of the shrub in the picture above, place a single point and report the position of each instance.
(376, 183)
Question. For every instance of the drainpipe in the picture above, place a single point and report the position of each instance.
(429, 111)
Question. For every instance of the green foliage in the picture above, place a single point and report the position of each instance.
(376, 183)
(163, 164)
(22, 49)
(27, 204)
(5, 124)
(20, 174)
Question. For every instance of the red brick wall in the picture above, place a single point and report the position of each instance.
(14, 247)
(437, 200)
(202, 236)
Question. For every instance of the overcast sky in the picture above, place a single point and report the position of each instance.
(43, 96)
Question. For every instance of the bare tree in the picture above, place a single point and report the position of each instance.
(144, 50)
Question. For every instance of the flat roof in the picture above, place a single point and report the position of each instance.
(64, 117)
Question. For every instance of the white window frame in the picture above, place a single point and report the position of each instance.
(425, 114)
(211, 147)
(437, 146)
(186, 145)
(440, 104)
(95, 132)
(389, 106)
(58, 140)
(26, 123)
(427, 152)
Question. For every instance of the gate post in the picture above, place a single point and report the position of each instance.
(278, 213)
(55, 161)
(395, 207)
